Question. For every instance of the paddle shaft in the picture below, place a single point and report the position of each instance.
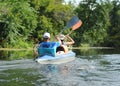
(70, 32)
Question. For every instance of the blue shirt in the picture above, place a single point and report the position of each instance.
(48, 48)
(49, 44)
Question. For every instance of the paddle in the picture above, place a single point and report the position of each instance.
(75, 26)
(71, 23)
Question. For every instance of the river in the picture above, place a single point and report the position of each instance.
(94, 67)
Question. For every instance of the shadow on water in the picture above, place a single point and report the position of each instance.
(91, 68)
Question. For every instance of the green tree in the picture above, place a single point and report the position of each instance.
(52, 16)
(17, 20)
(114, 32)
(95, 17)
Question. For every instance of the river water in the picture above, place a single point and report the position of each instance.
(90, 68)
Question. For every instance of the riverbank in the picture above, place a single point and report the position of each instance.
(14, 49)
(92, 48)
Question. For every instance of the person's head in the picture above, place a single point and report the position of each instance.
(62, 37)
(46, 36)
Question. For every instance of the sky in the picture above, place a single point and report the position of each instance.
(77, 1)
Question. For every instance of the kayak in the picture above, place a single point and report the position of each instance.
(58, 59)
(51, 53)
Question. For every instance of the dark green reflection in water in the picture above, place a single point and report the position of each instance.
(15, 55)
(28, 54)
(96, 51)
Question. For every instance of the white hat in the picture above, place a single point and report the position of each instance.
(62, 37)
(46, 35)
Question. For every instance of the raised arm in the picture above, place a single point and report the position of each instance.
(58, 39)
(71, 41)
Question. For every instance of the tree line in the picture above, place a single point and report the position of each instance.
(23, 22)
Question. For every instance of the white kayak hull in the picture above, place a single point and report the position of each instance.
(58, 59)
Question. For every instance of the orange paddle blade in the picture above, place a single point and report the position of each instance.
(77, 25)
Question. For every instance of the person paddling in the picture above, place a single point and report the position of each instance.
(69, 42)
(65, 44)
(48, 47)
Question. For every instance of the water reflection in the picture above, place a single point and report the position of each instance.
(28, 54)
(15, 54)
(3, 55)
(96, 51)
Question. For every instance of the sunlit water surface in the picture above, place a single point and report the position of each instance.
(86, 70)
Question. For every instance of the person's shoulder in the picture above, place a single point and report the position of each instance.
(56, 43)
(39, 42)
(53, 42)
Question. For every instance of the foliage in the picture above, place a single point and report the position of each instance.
(114, 32)
(53, 16)
(18, 20)
(95, 19)
(23, 22)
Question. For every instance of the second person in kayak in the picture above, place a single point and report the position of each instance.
(64, 43)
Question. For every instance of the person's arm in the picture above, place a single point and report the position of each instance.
(58, 39)
(35, 49)
(71, 41)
